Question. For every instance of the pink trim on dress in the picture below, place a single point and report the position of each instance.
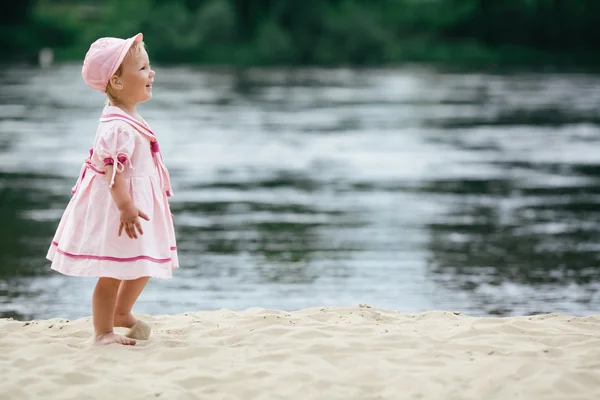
(129, 119)
(86, 164)
(111, 161)
(108, 258)
(96, 170)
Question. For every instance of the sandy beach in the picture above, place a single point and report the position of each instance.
(320, 353)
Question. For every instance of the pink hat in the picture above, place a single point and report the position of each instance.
(103, 59)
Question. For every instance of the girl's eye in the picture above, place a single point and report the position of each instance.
(143, 68)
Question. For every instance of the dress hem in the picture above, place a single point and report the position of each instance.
(91, 268)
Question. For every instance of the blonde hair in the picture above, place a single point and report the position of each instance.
(135, 49)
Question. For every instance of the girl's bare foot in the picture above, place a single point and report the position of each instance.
(137, 329)
(124, 320)
(111, 337)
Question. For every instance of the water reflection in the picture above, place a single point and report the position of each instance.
(411, 189)
(24, 231)
(499, 233)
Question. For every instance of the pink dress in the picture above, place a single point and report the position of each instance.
(86, 241)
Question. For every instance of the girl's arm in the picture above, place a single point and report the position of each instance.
(129, 212)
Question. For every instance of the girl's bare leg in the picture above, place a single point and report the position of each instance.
(103, 309)
(129, 291)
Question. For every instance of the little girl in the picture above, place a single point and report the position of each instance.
(122, 188)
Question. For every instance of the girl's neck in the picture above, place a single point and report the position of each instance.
(129, 109)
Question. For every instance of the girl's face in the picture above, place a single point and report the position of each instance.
(137, 78)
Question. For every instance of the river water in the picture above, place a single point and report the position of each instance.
(411, 189)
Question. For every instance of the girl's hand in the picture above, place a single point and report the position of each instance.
(130, 221)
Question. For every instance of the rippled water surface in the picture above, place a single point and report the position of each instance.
(411, 189)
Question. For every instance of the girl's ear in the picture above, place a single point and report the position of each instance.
(115, 82)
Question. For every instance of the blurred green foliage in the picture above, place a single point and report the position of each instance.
(323, 32)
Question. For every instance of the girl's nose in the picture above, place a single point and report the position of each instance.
(152, 73)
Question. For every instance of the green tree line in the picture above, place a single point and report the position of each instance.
(318, 32)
